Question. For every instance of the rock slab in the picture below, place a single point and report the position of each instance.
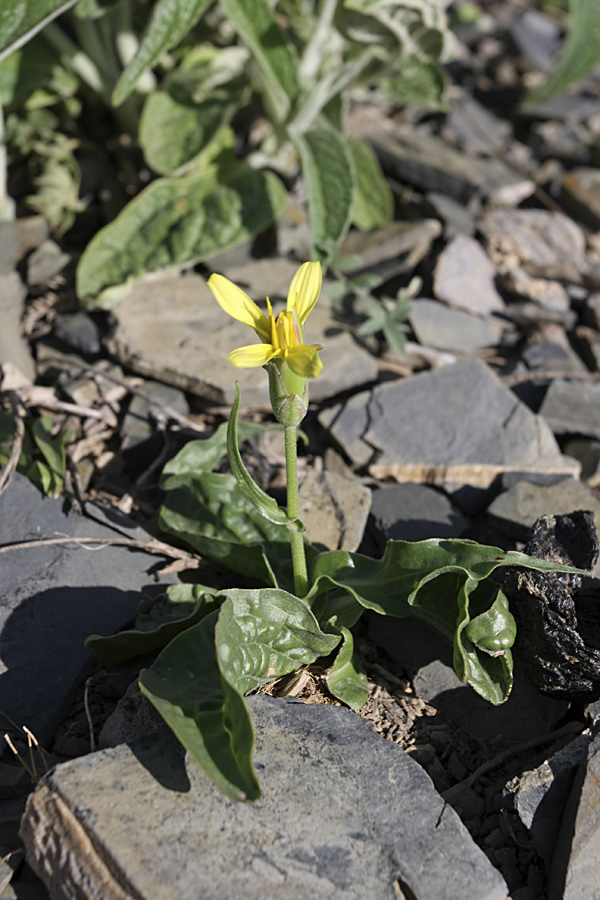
(53, 597)
(344, 814)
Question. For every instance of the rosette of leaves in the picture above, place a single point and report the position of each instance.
(224, 644)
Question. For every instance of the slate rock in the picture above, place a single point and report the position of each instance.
(436, 325)
(572, 406)
(475, 128)
(539, 38)
(431, 164)
(456, 217)
(556, 356)
(171, 329)
(45, 263)
(586, 452)
(391, 250)
(415, 512)
(13, 348)
(580, 195)
(515, 511)
(574, 874)
(10, 247)
(334, 510)
(343, 814)
(457, 425)
(526, 714)
(464, 277)
(78, 330)
(541, 794)
(53, 597)
(545, 244)
(152, 402)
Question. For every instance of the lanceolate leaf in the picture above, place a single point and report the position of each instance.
(170, 22)
(206, 713)
(581, 52)
(175, 222)
(210, 514)
(203, 454)
(154, 631)
(262, 634)
(329, 177)
(435, 580)
(255, 22)
(21, 19)
(198, 681)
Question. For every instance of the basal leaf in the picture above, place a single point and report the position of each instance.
(52, 448)
(329, 178)
(345, 678)
(435, 580)
(21, 19)
(203, 454)
(202, 708)
(185, 606)
(210, 514)
(264, 633)
(256, 24)
(176, 222)
(373, 201)
(581, 52)
(171, 20)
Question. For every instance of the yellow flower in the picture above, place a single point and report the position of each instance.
(282, 336)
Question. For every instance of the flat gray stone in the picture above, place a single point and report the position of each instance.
(393, 249)
(572, 406)
(436, 325)
(45, 263)
(457, 425)
(465, 277)
(53, 597)
(457, 218)
(580, 192)
(415, 512)
(576, 863)
(13, 348)
(334, 509)
(172, 329)
(541, 794)
(344, 815)
(544, 244)
(431, 164)
(515, 510)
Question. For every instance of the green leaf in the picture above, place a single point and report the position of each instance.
(170, 22)
(373, 201)
(395, 337)
(198, 681)
(33, 74)
(52, 449)
(176, 222)
(21, 19)
(185, 605)
(434, 581)
(210, 514)
(345, 679)
(255, 22)
(206, 713)
(203, 455)
(420, 81)
(262, 634)
(177, 124)
(581, 52)
(329, 177)
(266, 506)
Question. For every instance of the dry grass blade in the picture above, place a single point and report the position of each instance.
(155, 547)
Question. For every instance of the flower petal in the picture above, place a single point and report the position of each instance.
(238, 305)
(304, 361)
(305, 289)
(252, 356)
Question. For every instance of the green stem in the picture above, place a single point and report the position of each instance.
(293, 509)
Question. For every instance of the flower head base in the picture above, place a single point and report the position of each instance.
(282, 336)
